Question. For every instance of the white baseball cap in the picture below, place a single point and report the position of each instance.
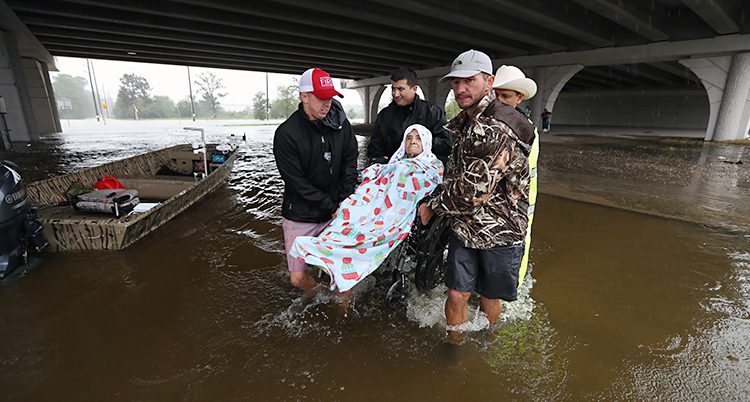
(468, 63)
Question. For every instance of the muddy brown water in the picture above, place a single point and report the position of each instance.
(621, 306)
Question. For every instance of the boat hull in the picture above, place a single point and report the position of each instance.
(71, 230)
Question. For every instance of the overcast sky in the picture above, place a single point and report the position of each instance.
(172, 80)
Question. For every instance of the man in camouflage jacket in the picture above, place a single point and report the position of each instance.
(484, 195)
(486, 189)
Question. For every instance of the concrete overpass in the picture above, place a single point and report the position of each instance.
(582, 49)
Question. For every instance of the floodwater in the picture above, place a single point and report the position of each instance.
(620, 306)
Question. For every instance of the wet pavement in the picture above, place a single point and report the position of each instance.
(686, 179)
(619, 305)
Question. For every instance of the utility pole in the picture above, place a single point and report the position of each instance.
(93, 94)
(98, 98)
(268, 110)
(190, 86)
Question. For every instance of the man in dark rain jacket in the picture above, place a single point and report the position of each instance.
(407, 109)
(316, 154)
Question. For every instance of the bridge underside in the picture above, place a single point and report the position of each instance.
(563, 44)
(359, 39)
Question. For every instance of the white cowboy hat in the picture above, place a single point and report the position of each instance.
(511, 77)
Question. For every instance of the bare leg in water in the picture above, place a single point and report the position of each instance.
(303, 280)
(456, 313)
(492, 308)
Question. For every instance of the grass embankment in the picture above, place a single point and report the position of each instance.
(737, 142)
(677, 140)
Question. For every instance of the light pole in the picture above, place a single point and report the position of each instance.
(105, 105)
(190, 86)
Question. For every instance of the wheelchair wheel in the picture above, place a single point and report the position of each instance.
(396, 294)
(432, 255)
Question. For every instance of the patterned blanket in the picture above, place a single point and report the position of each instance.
(371, 222)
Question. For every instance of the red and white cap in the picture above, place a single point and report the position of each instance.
(319, 83)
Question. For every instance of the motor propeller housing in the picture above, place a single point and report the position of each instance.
(18, 224)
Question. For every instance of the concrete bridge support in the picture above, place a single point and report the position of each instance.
(27, 91)
(435, 91)
(370, 96)
(727, 82)
(550, 81)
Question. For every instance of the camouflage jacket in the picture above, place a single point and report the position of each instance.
(486, 189)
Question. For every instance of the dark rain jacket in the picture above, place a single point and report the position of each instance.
(485, 193)
(314, 185)
(388, 131)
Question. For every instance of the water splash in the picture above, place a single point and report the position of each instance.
(427, 309)
(740, 257)
(305, 315)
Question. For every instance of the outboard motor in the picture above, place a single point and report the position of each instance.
(19, 227)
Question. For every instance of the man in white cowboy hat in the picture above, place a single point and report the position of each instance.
(484, 194)
(512, 87)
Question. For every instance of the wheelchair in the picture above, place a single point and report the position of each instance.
(419, 262)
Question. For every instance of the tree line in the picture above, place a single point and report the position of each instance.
(135, 100)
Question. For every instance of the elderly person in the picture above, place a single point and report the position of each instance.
(378, 216)
(316, 154)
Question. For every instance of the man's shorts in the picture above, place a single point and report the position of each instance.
(293, 229)
(493, 273)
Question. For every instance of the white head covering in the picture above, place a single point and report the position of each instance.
(425, 136)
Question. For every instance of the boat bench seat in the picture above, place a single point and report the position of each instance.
(157, 187)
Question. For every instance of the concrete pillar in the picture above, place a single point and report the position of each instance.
(443, 89)
(429, 88)
(52, 102)
(712, 71)
(435, 91)
(9, 89)
(549, 81)
(734, 104)
(42, 100)
(370, 96)
(725, 78)
(27, 90)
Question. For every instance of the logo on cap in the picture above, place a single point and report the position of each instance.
(326, 81)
